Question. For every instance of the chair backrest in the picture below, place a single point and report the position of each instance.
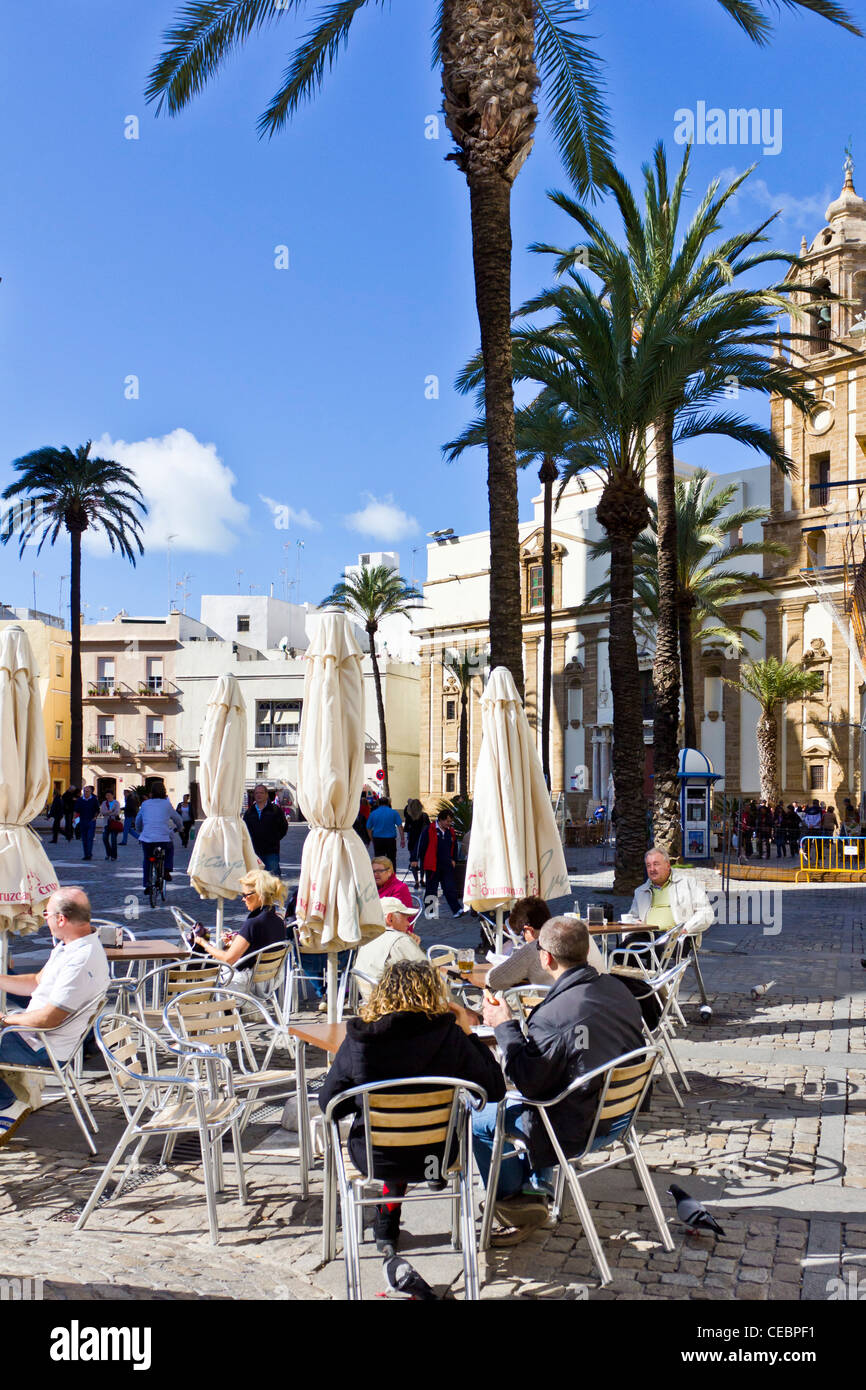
(526, 997)
(624, 1089)
(410, 1113)
(441, 955)
(209, 1022)
(624, 1083)
(269, 964)
(181, 978)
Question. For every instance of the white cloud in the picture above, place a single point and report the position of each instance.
(187, 488)
(802, 211)
(381, 518)
(285, 515)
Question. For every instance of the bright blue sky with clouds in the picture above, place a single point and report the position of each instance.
(155, 258)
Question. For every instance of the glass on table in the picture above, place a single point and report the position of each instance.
(465, 960)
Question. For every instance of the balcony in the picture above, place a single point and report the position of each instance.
(155, 688)
(819, 495)
(278, 738)
(157, 747)
(108, 749)
(110, 689)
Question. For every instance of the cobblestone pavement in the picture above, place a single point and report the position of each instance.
(773, 1137)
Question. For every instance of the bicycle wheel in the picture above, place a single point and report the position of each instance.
(153, 889)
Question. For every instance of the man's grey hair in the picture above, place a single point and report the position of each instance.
(567, 940)
(72, 903)
(657, 849)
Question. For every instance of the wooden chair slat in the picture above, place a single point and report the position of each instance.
(610, 1112)
(407, 1139)
(409, 1100)
(626, 1073)
(421, 1117)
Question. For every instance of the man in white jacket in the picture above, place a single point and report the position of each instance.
(670, 898)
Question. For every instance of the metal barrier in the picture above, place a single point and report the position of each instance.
(831, 854)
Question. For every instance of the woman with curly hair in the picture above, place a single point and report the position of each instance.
(407, 1027)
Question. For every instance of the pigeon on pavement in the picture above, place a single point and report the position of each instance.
(403, 1278)
(692, 1213)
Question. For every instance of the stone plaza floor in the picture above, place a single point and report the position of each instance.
(773, 1138)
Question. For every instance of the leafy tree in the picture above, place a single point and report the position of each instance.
(74, 492)
(464, 666)
(773, 683)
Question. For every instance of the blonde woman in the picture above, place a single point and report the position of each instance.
(407, 1027)
(264, 926)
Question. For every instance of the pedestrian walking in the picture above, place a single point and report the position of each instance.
(56, 814)
(764, 830)
(267, 826)
(110, 812)
(437, 852)
(87, 809)
(131, 805)
(384, 825)
(69, 798)
(184, 810)
(415, 819)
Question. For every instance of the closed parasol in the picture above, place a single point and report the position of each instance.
(514, 846)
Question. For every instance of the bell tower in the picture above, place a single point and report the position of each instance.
(819, 511)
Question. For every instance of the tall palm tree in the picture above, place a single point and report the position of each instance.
(704, 585)
(77, 492)
(543, 434)
(693, 275)
(372, 593)
(492, 54)
(773, 683)
(464, 666)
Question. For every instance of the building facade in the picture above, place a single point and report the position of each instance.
(51, 650)
(809, 615)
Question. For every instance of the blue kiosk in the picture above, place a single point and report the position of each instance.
(696, 778)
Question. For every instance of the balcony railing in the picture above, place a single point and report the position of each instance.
(157, 687)
(107, 746)
(819, 494)
(158, 746)
(110, 689)
(278, 738)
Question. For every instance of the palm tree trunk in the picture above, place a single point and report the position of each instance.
(547, 476)
(76, 718)
(687, 664)
(380, 708)
(768, 769)
(490, 203)
(623, 513)
(666, 667)
(464, 743)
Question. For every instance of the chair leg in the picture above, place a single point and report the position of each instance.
(350, 1244)
(644, 1178)
(107, 1171)
(208, 1164)
(305, 1143)
(467, 1215)
(585, 1217)
(673, 1056)
(83, 1099)
(239, 1163)
(665, 1070)
(132, 1163)
(558, 1194)
(492, 1182)
(67, 1082)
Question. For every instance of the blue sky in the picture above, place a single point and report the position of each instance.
(154, 258)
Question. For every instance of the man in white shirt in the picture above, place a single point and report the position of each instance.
(395, 943)
(75, 975)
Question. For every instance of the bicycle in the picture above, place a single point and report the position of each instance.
(156, 874)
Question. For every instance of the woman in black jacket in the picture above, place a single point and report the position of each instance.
(408, 1027)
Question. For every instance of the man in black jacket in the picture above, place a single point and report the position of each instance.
(266, 822)
(586, 1020)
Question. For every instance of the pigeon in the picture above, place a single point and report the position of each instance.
(403, 1278)
(692, 1213)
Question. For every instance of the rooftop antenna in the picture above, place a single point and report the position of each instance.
(239, 573)
(168, 541)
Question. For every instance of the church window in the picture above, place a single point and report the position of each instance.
(536, 586)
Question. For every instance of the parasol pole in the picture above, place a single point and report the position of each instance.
(333, 986)
(499, 912)
(221, 907)
(4, 956)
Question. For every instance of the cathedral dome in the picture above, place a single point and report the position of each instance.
(849, 209)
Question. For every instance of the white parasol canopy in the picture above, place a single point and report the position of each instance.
(223, 849)
(514, 847)
(27, 878)
(338, 904)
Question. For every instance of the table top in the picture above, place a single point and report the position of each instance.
(327, 1036)
(608, 928)
(477, 975)
(147, 950)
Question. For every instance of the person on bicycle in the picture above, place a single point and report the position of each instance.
(154, 823)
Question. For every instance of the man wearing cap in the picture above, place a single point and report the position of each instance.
(395, 943)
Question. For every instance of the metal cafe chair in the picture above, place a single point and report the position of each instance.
(433, 1111)
(65, 1072)
(215, 1025)
(624, 1082)
(167, 1104)
(665, 988)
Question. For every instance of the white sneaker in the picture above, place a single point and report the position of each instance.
(11, 1117)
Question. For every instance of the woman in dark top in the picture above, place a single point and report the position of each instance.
(264, 925)
(407, 1027)
(415, 819)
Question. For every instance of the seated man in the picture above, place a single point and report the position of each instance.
(75, 974)
(395, 943)
(670, 898)
(523, 966)
(587, 1019)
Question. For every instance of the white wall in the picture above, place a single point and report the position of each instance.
(270, 620)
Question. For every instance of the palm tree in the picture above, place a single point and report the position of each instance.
(491, 53)
(77, 492)
(773, 683)
(464, 666)
(731, 331)
(704, 585)
(370, 594)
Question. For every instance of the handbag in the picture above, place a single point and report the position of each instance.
(115, 824)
